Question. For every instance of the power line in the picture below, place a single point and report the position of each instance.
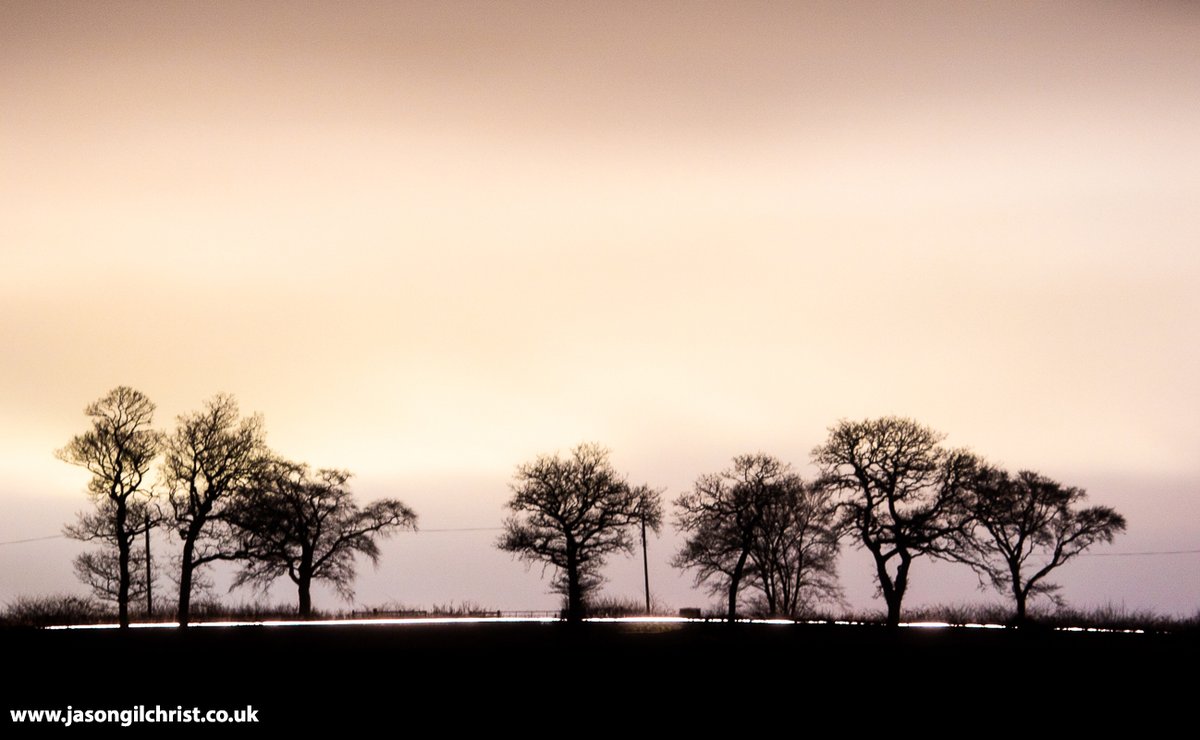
(497, 529)
(33, 539)
(1134, 554)
(419, 531)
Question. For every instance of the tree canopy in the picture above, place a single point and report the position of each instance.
(901, 494)
(213, 458)
(759, 524)
(571, 513)
(306, 526)
(1024, 526)
(795, 549)
(118, 451)
(721, 516)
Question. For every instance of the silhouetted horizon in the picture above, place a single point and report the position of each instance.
(427, 242)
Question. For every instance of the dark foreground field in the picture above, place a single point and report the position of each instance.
(554, 679)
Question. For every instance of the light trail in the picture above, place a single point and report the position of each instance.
(418, 621)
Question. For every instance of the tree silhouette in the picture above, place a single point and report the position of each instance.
(758, 524)
(795, 549)
(571, 513)
(1025, 526)
(900, 492)
(118, 451)
(101, 570)
(211, 460)
(307, 527)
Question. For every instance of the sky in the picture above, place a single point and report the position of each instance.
(430, 241)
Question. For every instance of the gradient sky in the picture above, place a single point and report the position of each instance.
(429, 241)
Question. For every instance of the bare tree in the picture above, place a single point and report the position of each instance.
(759, 525)
(1025, 526)
(211, 460)
(796, 548)
(118, 451)
(100, 571)
(901, 493)
(571, 513)
(307, 527)
(722, 516)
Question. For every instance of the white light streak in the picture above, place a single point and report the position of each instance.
(417, 621)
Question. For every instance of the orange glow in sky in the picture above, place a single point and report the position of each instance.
(429, 241)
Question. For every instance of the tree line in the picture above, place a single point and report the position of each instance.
(887, 485)
(757, 534)
(227, 497)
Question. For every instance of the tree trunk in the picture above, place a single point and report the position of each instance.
(893, 613)
(122, 567)
(899, 586)
(574, 591)
(1020, 595)
(185, 583)
(893, 588)
(888, 590)
(185, 574)
(305, 597)
(304, 583)
(734, 582)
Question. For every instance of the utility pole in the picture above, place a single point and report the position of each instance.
(149, 600)
(645, 565)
